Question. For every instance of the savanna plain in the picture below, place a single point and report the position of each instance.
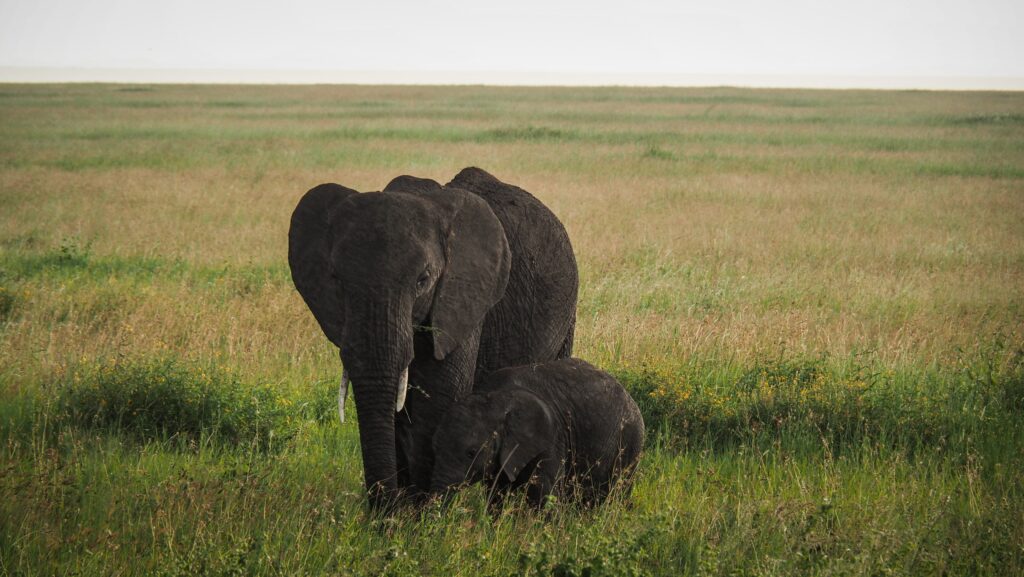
(814, 296)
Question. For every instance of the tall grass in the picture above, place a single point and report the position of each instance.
(813, 296)
(797, 477)
(160, 399)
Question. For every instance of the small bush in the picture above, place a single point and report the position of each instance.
(1013, 391)
(73, 253)
(657, 153)
(165, 398)
(7, 301)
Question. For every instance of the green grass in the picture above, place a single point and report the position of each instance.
(812, 295)
(885, 481)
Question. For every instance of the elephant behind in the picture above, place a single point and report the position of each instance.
(425, 288)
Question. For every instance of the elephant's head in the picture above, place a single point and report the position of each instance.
(373, 268)
(490, 435)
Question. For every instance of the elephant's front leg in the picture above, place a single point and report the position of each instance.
(433, 387)
(404, 446)
(415, 455)
(543, 481)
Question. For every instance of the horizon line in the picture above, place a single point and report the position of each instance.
(130, 75)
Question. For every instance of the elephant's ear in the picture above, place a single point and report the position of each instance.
(476, 269)
(530, 432)
(308, 255)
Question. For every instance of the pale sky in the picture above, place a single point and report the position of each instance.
(911, 38)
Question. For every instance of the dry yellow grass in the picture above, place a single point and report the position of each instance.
(716, 222)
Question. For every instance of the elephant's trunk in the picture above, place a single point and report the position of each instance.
(376, 351)
(376, 414)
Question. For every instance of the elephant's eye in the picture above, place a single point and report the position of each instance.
(422, 281)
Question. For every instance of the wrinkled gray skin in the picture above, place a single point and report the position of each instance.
(562, 427)
(447, 283)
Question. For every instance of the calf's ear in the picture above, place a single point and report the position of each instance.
(529, 434)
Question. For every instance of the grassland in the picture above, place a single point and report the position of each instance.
(815, 296)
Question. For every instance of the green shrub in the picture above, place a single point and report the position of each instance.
(657, 153)
(167, 398)
(7, 301)
(73, 253)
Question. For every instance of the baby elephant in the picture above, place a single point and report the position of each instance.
(562, 427)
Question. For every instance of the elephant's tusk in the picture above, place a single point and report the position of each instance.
(342, 393)
(403, 386)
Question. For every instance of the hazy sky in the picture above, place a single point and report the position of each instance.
(867, 37)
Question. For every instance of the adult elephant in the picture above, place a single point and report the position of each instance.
(423, 288)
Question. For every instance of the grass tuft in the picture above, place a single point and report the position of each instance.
(524, 133)
(657, 153)
(7, 303)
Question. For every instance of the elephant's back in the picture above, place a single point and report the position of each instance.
(603, 423)
(596, 405)
(535, 319)
(601, 405)
(532, 230)
(607, 427)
